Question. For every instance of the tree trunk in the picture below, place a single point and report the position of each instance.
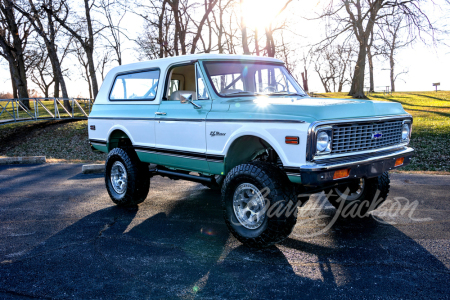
(256, 42)
(370, 60)
(90, 49)
(357, 89)
(92, 74)
(392, 63)
(56, 86)
(13, 82)
(220, 29)
(59, 79)
(22, 83)
(16, 59)
(270, 44)
(244, 32)
(305, 80)
(160, 30)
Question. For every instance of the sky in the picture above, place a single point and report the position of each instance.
(426, 64)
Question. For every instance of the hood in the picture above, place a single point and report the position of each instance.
(313, 109)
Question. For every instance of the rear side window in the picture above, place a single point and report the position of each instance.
(136, 86)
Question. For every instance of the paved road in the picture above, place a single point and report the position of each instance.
(61, 237)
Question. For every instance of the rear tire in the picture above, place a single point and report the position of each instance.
(259, 204)
(362, 198)
(127, 179)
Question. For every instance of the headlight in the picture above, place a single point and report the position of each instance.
(323, 143)
(405, 132)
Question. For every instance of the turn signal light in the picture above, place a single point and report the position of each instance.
(292, 140)
(399, 161)
(341, 174)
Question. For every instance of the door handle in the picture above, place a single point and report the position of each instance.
(159, 113)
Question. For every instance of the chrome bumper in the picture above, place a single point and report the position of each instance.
(322, 172)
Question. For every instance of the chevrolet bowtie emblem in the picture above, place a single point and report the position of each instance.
(377, 135)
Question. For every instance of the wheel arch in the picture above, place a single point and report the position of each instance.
(119, 137)
(245, 148)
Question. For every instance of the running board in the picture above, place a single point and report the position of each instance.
(184, 176)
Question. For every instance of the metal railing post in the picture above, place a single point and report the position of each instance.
(72, 108)
(14, 112)
(56, 107)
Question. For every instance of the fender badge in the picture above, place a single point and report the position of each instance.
(377, 135)
(216, 133)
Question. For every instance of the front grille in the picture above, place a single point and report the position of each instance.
(359, 136)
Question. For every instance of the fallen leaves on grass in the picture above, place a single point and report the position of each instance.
(66, 142)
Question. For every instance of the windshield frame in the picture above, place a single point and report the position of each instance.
(288, 75)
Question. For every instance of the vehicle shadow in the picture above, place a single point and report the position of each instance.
(183, 249)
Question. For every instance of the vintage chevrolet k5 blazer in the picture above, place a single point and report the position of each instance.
(243, 124)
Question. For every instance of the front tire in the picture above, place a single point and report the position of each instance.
(127, 179)
(259, 204)
(358, 198)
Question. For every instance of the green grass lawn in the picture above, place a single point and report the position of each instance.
(431, 127)
(58, 141)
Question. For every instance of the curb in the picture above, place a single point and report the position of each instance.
(22, 160)
(93, 169)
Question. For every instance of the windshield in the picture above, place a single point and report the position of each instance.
(251, 78)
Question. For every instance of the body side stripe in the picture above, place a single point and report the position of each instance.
(203, 120)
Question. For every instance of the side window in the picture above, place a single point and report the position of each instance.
(135, 86)
(182, 81)
(202, 93)
(175, 85)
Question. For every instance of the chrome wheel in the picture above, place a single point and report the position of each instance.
(249, 206)
(355, 191)
(119, 177)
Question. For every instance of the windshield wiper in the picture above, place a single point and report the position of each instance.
(286, 93)
(241, 92)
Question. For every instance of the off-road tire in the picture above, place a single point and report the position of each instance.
(138, 178)
(274, 229)
(373, 195)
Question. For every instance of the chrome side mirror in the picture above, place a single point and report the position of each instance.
(187, 98)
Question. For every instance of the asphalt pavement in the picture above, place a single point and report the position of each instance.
(62, 237)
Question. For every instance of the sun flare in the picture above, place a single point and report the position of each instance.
(260, 13)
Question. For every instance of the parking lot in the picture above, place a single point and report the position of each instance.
(62, 237)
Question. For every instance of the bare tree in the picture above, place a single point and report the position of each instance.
(166, 18)
(47, 31)
(83, 32)
(358, 17)
(114, 40)
(158, 37)
(14, 33)
(40, 72)
(209, 6)
(219, 22)
(270, 29)
(244, 31)
(393, 37)
(370, 61)
(84, 66)
(331, 64)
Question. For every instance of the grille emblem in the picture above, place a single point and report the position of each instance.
(377, 135)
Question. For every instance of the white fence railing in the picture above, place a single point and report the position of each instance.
(33, 109)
